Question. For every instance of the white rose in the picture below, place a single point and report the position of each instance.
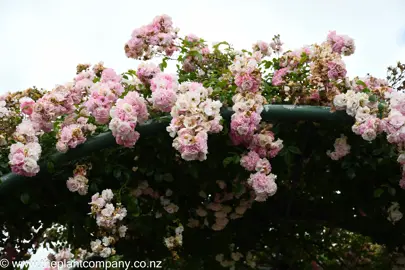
(30, 165)
(340, 101)
(95, 245)
(401, 158)
(122, 230)
(108, 210)
(72, 185)
(105, 253)
(107, 195)
(369, 134)
(395, 216)
(352, 106)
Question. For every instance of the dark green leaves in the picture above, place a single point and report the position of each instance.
(51, 167)
(231, 160)
(294, 150)
(378, 192)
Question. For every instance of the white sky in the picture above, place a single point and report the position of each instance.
(42, 41)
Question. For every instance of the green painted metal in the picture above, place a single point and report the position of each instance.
(106, 140)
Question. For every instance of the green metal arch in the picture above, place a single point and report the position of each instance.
(106, 140)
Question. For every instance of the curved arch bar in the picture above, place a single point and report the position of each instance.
(106, 140)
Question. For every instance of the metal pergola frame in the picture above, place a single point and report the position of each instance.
(106, 140)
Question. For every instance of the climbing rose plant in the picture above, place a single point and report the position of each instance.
(209, 79)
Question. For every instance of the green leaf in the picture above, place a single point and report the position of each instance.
(4, 165)
(236, 159)
(294, 150)
(25, 198)
(378, 192)
(377, 152)
(288, 158)
(163, 65)
(93, 187)
(392, 191)
(372, 98)
(227, 161)
(158, 177)
(283, 152)
(359, 82)
(51, 167)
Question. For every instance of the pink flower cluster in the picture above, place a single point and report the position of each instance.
(146, 72)
(375, 85)
(157, 37)
(394, 126)
(194, 115)
(164, 88)
(103, 247)
(58, 102)
(144, 189)
(103, 94)
(4, 111)
(74, 130)
(289, 61)
(341, 44)
(262, 47)
(24, 154)
(226, 206)
(325, 62)
(199, 54)
(23, 158)
(266, 49)
(79, 182)
(246, 119)
(342, 148)
(107, 215)
(279, 75)
(357, 104)
(168, 205)
(265, 144)
(64, 255)
(292, 59)
(25, 132)
(262, 181)
(109, 219)
(81, 85)
(173, 242)
(368, 125)
(246, 72)
(248, 105)
(336, 69)
(234, 257)
(125, 115)
(27, 105)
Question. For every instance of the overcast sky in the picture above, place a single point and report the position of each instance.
(43, 40)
